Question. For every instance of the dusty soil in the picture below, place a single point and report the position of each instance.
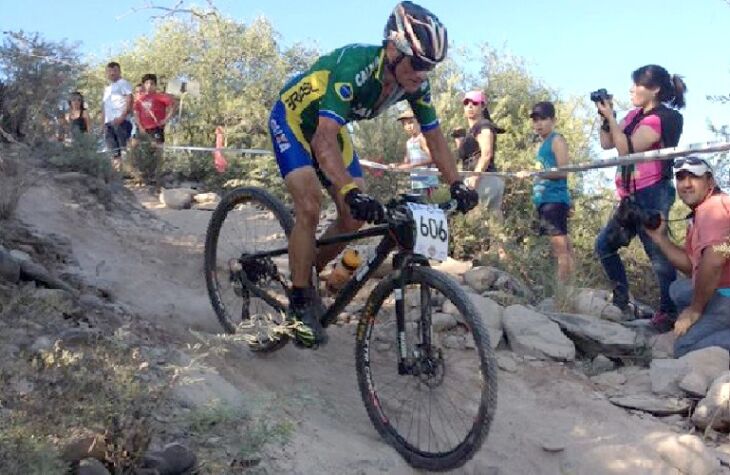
(150, 260)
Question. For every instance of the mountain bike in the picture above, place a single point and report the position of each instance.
(430, 390)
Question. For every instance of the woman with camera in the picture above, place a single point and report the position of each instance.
(645, 189)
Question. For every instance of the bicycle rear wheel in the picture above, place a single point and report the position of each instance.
(248, 220)
(435, 408)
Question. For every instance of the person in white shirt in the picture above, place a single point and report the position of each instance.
(117, 105)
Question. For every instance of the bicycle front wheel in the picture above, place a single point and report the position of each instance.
(431, 391)
(248, 221)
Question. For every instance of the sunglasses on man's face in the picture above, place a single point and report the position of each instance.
(420, 65)
(469, 101)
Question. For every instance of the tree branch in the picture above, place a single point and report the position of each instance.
(174, 10)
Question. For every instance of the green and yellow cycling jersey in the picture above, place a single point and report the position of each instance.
(345, 85)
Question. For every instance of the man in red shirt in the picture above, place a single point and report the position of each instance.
(704, 301)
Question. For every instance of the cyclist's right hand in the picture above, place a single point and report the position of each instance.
(364, 207)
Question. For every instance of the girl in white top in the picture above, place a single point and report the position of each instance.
(417, 155)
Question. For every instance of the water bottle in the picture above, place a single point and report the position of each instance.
(343, 270)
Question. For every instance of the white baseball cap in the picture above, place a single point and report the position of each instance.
(695, 165)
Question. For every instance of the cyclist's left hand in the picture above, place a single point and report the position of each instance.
(465, 197)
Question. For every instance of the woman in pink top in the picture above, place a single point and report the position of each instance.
(654, 123)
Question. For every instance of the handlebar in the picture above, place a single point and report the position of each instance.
(396, 214)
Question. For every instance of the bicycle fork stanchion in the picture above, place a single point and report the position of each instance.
(400, 323)
(403, 263)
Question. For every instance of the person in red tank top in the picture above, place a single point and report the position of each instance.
(153, 109)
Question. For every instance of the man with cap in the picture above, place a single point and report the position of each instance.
(417, 155)
(703, 301)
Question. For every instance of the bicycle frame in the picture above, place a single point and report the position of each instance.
(362, 275)
(353, 286)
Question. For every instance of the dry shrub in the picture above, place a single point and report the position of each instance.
(13, 181)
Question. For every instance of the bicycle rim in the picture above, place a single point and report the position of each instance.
(438, 414)
(247, 221)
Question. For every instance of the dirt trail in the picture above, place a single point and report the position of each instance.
(153, 265)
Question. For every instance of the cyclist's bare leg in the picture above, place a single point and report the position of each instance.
(343, 224)
(305, 190)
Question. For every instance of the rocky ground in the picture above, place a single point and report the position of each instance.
(104, 312)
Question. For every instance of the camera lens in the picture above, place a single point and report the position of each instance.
(652, 220)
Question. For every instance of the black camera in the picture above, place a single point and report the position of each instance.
(627, 218)
(600, 95)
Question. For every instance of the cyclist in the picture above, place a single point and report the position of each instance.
(308, 127)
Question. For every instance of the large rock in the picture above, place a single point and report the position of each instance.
(594, 336)
(692, 372)
(177, 198)
(688, 454)
(706, 365)
(595, 302)
(533, 334)
(489, 311)
(665, 376)
(481, 279)
(173, 459)
(714, 409)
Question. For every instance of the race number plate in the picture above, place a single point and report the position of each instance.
(432, 231)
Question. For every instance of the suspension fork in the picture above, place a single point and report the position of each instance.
(404, 262)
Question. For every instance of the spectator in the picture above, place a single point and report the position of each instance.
(704, 301)
(550, 191)
(77, 118)
(117, 105)
(152, 111)
(417, 155)
(136, 94)
(477, 151)
(647, 186)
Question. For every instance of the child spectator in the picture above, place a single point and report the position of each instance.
(417, 155)
(550, 191)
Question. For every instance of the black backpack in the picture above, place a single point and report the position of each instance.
(672, 123)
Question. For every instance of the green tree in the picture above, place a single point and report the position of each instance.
(36, 76)
(240, 69)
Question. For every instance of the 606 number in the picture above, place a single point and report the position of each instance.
(434, 228)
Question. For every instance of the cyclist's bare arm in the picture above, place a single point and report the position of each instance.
(441, 155)
(327, 152)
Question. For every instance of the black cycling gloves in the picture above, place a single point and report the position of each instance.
(364, 207)
(465, 197)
